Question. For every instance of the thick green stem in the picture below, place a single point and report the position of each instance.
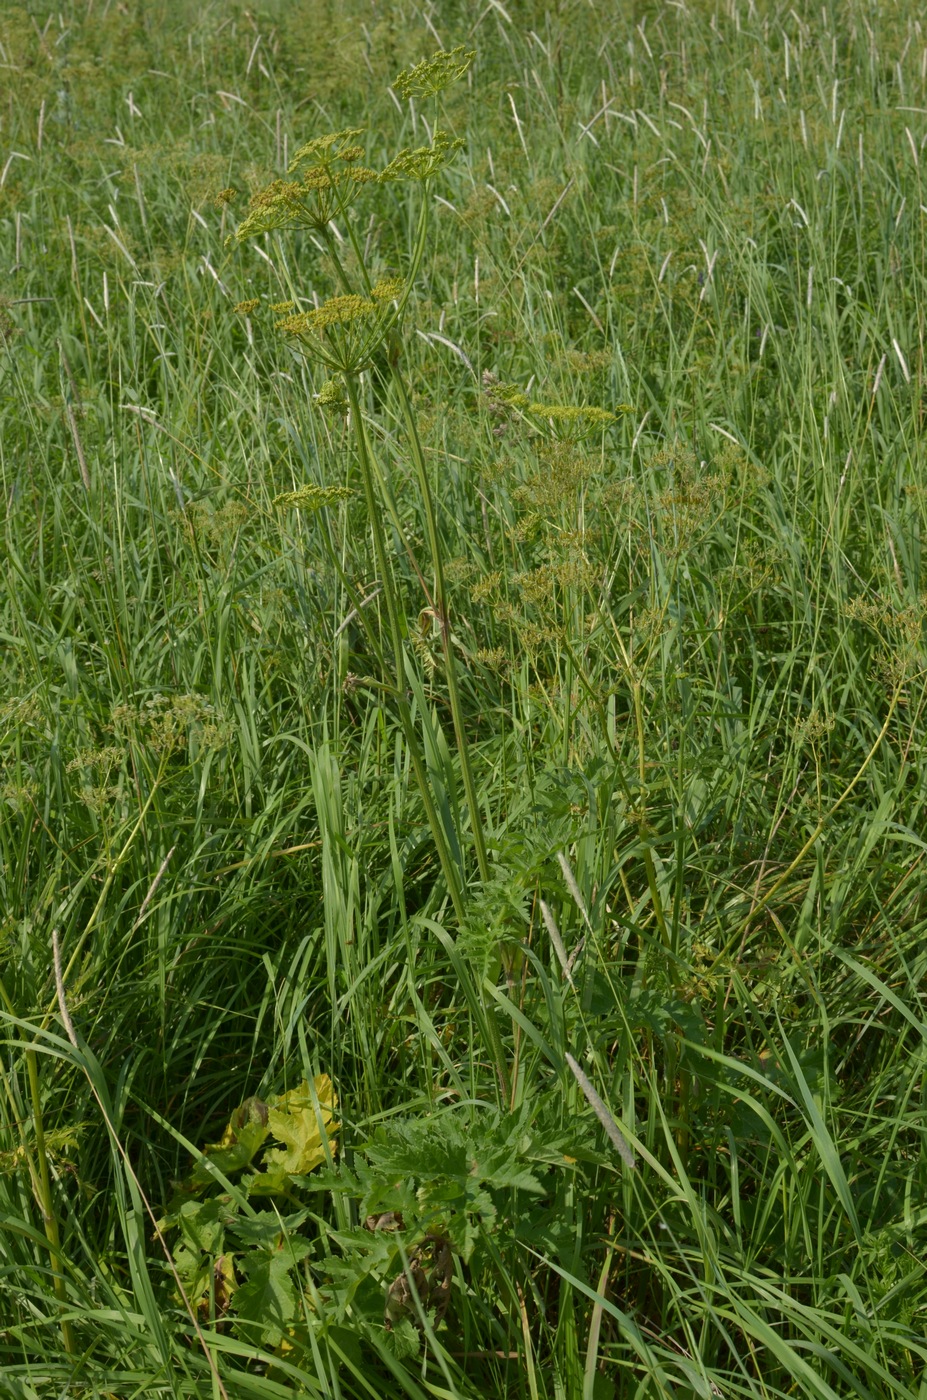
(451, 873)
(439, 600)
(649, 866)
(443, 618)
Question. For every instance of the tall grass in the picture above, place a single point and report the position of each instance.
(556, 788)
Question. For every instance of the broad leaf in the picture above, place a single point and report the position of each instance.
(268, 1300)
(266, 1229)
(203, 1224)
(302, 1127)
(245, 1134)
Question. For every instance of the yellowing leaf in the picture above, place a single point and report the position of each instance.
(246, 1131)
(249, 1115)
(295, 1120)
(224, 1282)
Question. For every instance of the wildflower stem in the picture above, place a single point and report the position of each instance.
(365, 460)
(439, 601)
(441, 609)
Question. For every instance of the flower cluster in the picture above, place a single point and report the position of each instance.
(423, 162)
(434, 74)
(312, 497)
(323, 180)
(332, 396)
(344, 331)
(571, 422)
(328, 169)
(329, 180)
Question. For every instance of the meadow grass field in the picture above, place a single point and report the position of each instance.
(462, 700)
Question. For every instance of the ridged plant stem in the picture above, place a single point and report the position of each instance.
(444, 623)
(439, 598)
(448, 866)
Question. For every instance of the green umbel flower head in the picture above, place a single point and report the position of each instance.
(312, 497)
(424, 161)
(344, 331)
(570, 422)
(326, 150)
(329, 180)
(434, 74)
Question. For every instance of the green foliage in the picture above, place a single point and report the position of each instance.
(300, 1119)
(551, 773)
(221, 1238)
(443, 1176)
(429, 1191)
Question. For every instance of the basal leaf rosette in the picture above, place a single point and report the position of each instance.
(345, 330)
(302, 1119)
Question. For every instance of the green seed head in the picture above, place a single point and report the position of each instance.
(325, 150)
(434, 74)
(344, 331)
(312, 497)
(337, 311)
(422, 162)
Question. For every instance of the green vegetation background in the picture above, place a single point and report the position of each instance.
(692, 666)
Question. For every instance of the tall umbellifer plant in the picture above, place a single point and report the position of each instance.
(345, 334)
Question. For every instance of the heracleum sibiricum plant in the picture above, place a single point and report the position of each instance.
(713, 212)
(345, 333)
